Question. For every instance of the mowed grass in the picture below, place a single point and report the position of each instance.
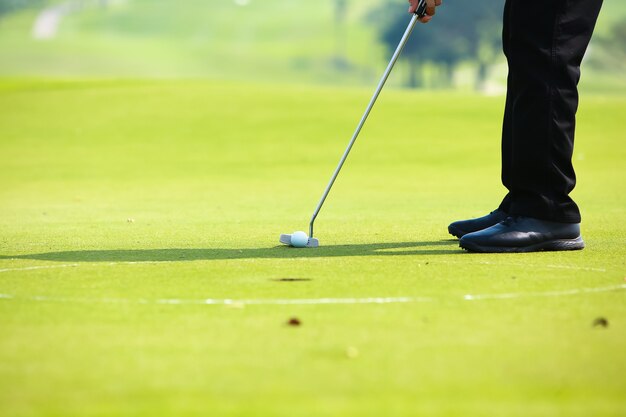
(265, 40)
(125, 204)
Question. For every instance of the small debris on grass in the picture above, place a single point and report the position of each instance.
(352, 352)
(601, 322)
(291, 279)
(294, 321)
(129, 220)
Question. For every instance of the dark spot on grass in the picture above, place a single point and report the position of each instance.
(294, 321)
(291, 279)
(601, 322)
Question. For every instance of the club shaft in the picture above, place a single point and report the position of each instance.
(381, 84)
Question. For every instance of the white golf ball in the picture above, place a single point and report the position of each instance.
(299, 239)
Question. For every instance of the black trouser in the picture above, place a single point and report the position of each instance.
(544, 42)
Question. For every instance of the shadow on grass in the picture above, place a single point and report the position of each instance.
(443, 247)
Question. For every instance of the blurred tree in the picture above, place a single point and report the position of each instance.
(612, 53)
(8, 6)
(341, 11)
(461, 31)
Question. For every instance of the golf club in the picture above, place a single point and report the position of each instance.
(300, 240)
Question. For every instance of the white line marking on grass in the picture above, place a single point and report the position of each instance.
(548, 266)
(435, 262)
(224, 302)
(575, 291)
(316, 301)
(312, 301)
(32, 268)
(576, 268)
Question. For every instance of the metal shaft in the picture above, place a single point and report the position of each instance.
(394, 58)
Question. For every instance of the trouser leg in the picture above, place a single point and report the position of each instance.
(507, 127)
(544, 47)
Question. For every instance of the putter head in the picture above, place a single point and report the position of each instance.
(313, 243)
(285, 239)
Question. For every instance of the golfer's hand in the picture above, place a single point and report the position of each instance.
(431, 5)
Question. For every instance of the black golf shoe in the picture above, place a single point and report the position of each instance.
(524, 234)
(463, 227)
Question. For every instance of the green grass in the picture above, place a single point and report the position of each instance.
(211, 173)
(266, 40)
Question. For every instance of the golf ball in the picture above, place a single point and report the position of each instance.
(299, 239)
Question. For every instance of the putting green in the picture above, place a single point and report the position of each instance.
(141, 274)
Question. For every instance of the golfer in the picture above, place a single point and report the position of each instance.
(544, 43)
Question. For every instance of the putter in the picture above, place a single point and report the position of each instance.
(419, 13)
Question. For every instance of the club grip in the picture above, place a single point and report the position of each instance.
(421, 9)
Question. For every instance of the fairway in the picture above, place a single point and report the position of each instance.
(141, 274)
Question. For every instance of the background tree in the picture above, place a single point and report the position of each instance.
(462, 31)
(341, 11)
(609, 51)
(7, 6)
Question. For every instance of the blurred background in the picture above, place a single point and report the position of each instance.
(343, 42)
